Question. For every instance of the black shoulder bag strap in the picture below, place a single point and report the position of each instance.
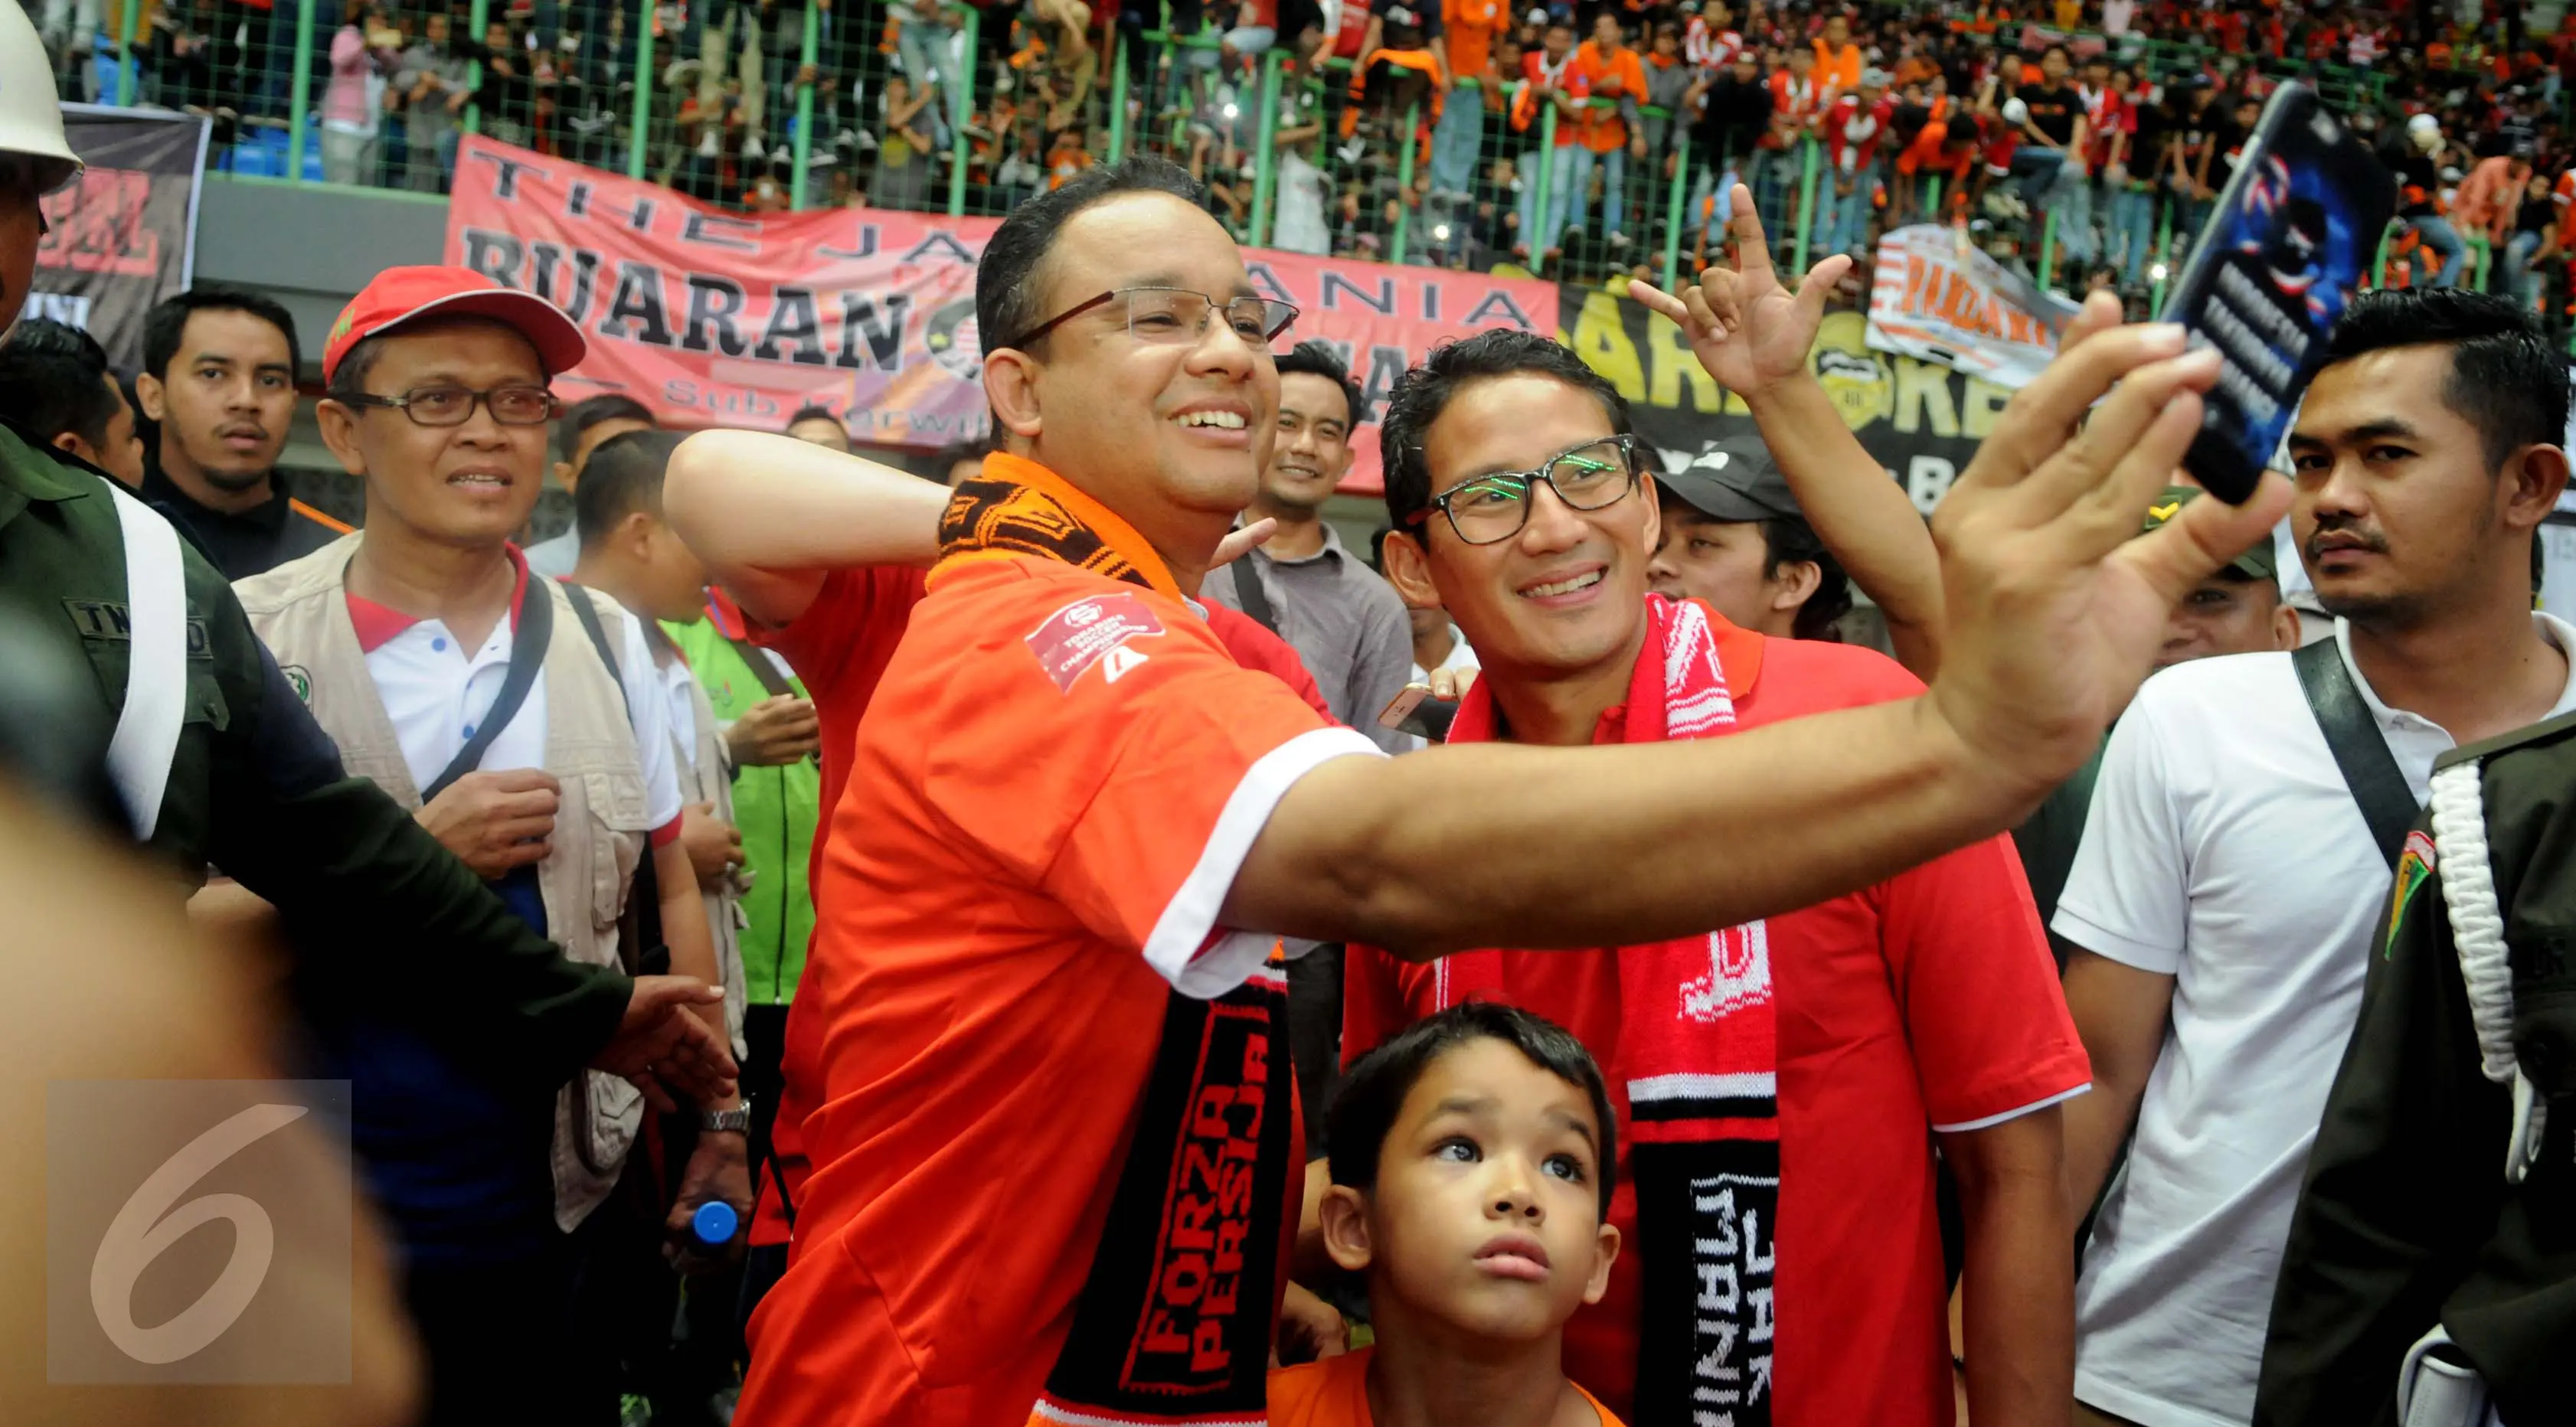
(528, 640)
(1251, 596)
(2369, 771)
(652, 955)
(763, 668)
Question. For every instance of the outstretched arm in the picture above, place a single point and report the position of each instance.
(2056, 612)
(1754, 336)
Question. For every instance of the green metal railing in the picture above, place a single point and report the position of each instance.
(1189, 97)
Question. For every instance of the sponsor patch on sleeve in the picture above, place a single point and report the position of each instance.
(1091, 631)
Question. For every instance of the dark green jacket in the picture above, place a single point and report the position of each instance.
(256, 789)
(2406, 1217)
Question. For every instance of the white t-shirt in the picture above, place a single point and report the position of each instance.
(1299, 226)
(2224, 850)
(436, 695)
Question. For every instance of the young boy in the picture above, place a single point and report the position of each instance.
(630, 555)
(1472, 1169)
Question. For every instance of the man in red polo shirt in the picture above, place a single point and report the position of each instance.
(1053, 1141)
(1802, 1064)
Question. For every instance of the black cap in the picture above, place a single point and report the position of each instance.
(1732, 478)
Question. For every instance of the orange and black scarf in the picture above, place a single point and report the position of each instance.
(1173, 1325)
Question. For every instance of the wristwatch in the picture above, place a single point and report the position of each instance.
(737, 1119)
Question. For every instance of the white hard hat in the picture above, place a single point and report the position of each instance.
(2016, 112)
(31, 123)
(2423, 124)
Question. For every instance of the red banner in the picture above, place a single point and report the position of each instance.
(714, 318)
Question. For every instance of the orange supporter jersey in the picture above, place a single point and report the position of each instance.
(840, 647)
(1531, 104)
(1048, 801)
(1619, 76)
(1334, 1393)
(1469, 27)
(1838, 71)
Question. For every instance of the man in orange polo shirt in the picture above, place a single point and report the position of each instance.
(1610, 133)
(1054, 1140)
(824, 553)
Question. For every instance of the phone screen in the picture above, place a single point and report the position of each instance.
(2289, 240)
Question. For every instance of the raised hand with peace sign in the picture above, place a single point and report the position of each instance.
(1754, 335)
(1747, 329)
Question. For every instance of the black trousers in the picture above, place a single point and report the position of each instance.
(1315, 1036)
(764, 1035)
(500, 1344)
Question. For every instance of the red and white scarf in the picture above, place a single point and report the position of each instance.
(1698, 1057)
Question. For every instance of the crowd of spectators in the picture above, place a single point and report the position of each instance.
(2178, 1150)
(1573, 141)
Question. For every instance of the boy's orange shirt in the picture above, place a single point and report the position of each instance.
(1334, 1393)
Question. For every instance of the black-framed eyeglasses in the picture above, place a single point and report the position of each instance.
(1176, 314)
(454, 405)
(1494, 507)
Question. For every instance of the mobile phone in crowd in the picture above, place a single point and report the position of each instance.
(1413, 710)
(2274, 266)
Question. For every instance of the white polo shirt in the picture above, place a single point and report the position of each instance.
(2224, 850)
(436, 693)
(678, 689)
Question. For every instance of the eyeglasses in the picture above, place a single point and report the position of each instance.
(454, 405)
(1494, 507)
(1176, 314)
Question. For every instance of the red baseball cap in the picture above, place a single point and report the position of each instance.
(399, 295)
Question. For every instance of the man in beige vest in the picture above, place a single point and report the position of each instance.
(545, 762)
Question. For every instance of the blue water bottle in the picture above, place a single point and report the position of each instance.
(713, 1224)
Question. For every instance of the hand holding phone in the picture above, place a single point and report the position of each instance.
(2288, 241)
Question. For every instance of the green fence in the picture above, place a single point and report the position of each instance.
(795, 104)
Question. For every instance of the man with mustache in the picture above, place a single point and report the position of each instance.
(2228, 895)
(219, 377)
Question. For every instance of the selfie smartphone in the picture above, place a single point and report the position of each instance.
(2272, 269)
